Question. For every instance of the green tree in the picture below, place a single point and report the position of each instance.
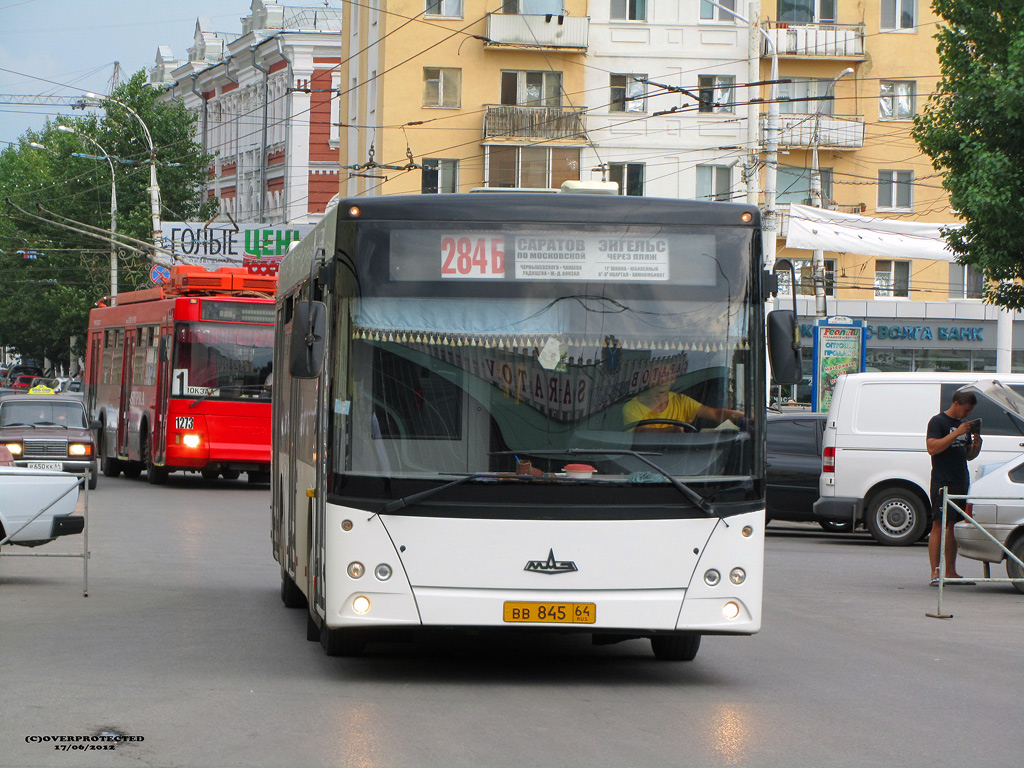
(973, 129)
(46, 300)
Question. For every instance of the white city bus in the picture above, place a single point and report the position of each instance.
(450, 443)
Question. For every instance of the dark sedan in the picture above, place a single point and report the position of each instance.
(794, 466)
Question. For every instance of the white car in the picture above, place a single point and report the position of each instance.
(24, 492)
(996, 501)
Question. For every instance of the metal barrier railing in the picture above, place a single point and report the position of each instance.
(83, 482)
(947, 501)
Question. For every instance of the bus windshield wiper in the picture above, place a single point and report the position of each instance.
(415, 498)
(691, 495)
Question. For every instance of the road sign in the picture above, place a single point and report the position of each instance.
(159, 274)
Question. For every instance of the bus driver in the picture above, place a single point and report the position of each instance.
(661, 403)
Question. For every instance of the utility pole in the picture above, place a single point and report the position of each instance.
(818, 257)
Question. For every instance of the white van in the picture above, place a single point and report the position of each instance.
(875, 468)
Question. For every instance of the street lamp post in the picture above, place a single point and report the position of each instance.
(113, 205)
(770, 216)
(818, 257)
(154, 188)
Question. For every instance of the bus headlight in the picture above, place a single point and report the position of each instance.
(190, 441)
(356, 570)
(730, 610)
(737, 575)
(361, 604)
(712, 577)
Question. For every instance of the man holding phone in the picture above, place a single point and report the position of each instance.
(951, 442)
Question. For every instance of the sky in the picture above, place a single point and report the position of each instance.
(67, 47)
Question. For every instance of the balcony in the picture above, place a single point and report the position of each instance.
(834, 131)
(824, 41)
(537, 31)
(503, 121)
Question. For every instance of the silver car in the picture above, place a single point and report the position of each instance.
(996, 501)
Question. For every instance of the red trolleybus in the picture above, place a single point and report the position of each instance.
(179, 376)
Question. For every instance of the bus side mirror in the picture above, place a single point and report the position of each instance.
(784, 347)
(309, 324)
(165, 356)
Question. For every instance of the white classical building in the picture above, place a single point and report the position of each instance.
(667, 98)
(264, 98)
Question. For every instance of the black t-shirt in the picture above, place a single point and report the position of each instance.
(950, 466)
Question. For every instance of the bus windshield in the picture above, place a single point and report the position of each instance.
(542, 352)
(225, 361)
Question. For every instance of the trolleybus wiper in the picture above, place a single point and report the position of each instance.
(691, 495)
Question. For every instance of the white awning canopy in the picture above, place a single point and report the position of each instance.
(825, 230)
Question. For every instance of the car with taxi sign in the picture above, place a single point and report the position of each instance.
(49, 432)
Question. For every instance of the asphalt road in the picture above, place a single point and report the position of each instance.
(183, 643)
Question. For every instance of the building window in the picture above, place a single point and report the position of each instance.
(450, 8)
(805, 278)
(442, 87)
(629, 10)
(531, 89)
(628, 94)
(629, 177)
(899, 14)
(806, 11)
(714, 182)
(806, 96)
(711, 12)
(794, 185)
(716, 92)
(896, 100)
(532, 167)
(892, 279)
(966, 281)
(439, 176)
(895, 190)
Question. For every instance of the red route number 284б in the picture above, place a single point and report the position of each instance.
(475, 257)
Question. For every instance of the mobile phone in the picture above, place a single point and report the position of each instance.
(976, 427)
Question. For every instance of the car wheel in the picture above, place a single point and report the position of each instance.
(1014, 571)
(675, 647)
(831, 526)
(312, 630)
(896, 517)
(92, 481)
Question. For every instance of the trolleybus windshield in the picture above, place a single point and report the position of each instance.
(222, 361)
(476, 348)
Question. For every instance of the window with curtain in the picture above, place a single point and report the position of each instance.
(627, 95)
(531, 89)
(442, 87)
(532, 167)
(439, 175)
(892, 279)
(806, 96)
(716, 93)
(896, 99)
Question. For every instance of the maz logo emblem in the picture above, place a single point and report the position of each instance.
(551, 565)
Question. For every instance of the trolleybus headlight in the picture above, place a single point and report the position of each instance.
(190, 441)
(730, 610)
(79, 449)
(712, 577)
(737, 575)
(346, 525)
(382, 572)
(361, 604)
(356, 570)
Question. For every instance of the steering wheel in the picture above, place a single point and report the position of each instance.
(686, 426)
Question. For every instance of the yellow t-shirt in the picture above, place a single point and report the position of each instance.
(679, 408)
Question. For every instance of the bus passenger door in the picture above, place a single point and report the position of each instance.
(95, 356)
(124, 411)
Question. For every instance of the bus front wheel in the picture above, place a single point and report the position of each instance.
(675, 647)
(154, 474)
(109, 464)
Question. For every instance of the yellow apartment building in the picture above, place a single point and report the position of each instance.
(449, 95)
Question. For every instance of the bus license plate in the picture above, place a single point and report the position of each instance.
(551, 613)
(52, 465)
